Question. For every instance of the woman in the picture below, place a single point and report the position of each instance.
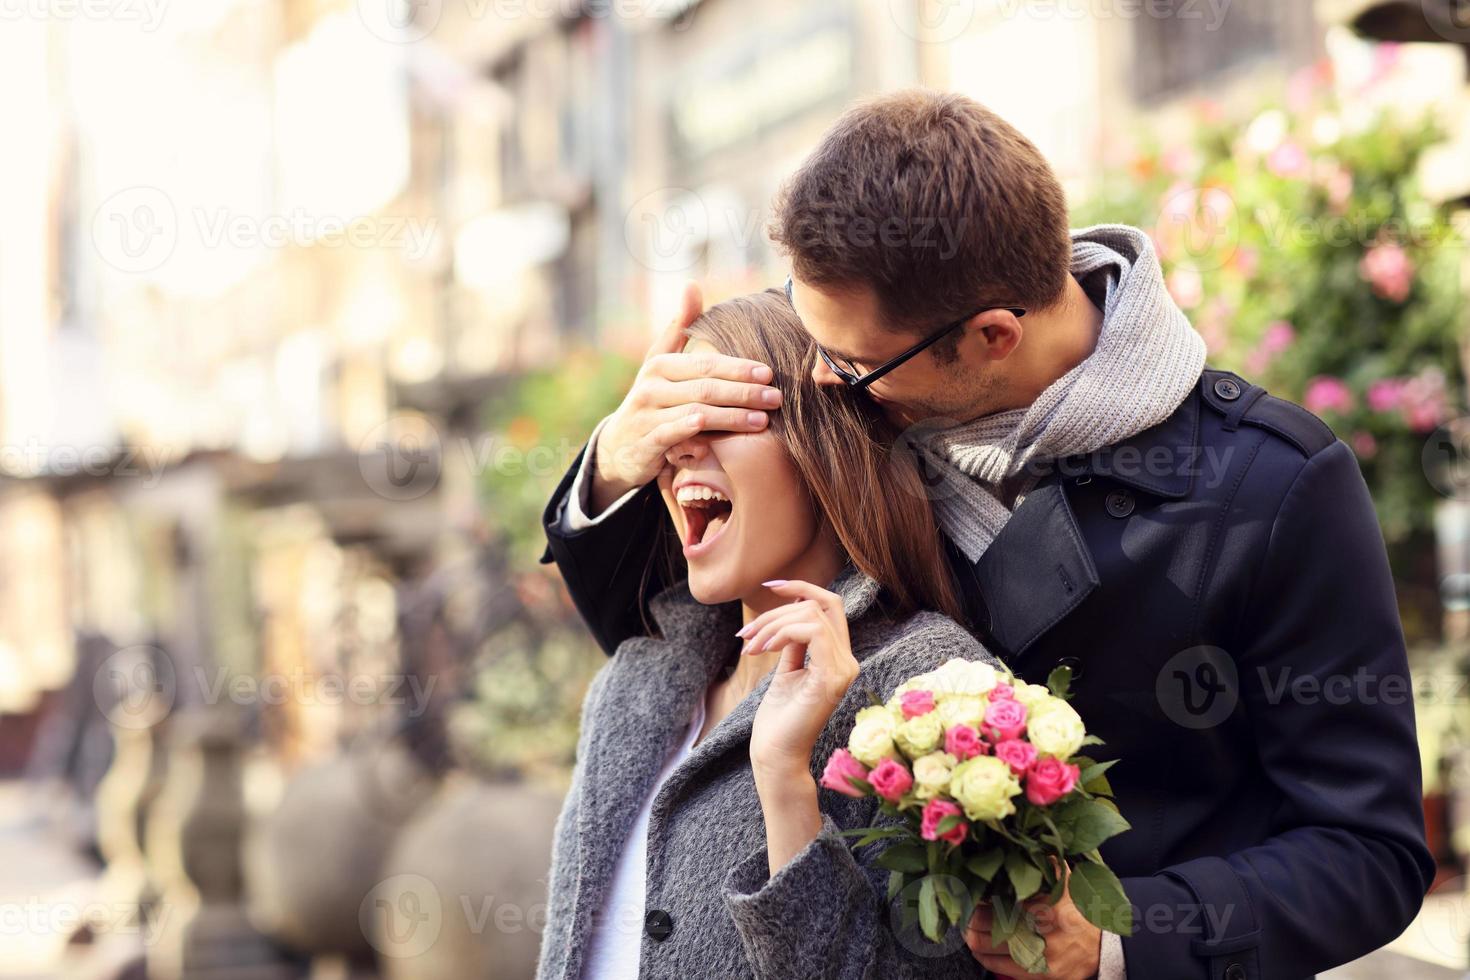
(695, 841)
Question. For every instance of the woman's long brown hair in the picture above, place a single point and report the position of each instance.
(872, 498)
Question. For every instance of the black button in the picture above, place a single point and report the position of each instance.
(658, 924)
(1229, 390)
(1073, 663)
(1119, 503)
(1235, 972)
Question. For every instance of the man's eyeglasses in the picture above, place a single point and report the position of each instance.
(849, 373)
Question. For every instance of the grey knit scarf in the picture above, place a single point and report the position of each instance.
(1147, 360)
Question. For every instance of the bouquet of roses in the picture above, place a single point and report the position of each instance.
(993, 802)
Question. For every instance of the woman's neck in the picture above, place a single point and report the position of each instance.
(819, 565)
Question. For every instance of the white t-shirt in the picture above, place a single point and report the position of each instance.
(617, 936)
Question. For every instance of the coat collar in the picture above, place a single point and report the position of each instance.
(1039, 568)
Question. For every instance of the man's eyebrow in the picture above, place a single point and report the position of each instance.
(841, 355)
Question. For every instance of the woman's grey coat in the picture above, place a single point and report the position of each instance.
(824, 914)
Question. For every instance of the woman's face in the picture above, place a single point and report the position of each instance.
(742, 512)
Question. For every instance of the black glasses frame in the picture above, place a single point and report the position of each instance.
(849, 373)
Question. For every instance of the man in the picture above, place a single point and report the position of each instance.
(1204, 556)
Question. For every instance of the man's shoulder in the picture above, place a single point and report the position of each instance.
(1239, 405)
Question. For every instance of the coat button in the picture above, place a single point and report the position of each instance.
(1235, 972)
(1228, 389)
(658, 924)
(1119, 503)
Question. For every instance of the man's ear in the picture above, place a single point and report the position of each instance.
(997, 331)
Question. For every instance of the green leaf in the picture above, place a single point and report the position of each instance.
(987, 864)
(929, 912)
(1093, 770)
(947, 824)
(1025, 876)
(944, 889)
(1092, 740)
(1094, 823)
(1059, 681)
(1005, 917)
(1027, 948)
(1098, 895)
(904, 857)
(895, 884)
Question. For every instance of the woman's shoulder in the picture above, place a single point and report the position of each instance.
(914, 645)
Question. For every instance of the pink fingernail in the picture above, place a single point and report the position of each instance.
(774, 583)
(743, 630)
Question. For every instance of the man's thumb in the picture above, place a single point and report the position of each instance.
(671, 341)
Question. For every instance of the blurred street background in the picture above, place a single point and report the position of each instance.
(306, 305)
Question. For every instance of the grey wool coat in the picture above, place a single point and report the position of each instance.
(723, 915)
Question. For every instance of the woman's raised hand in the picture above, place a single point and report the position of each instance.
(814, 673)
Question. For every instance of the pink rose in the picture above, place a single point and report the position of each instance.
(1049, 780)
(1389, 270)
(840, 768)
(915, 703)
(1017, 753)
(890, 780)
(934, 813)
(1005, 719)
(1327, 394)
(1287, 160)
(1385, 394)
(1364, 445)
(963, 742)
(1002, 692)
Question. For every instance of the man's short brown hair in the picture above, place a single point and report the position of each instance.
(933, 201)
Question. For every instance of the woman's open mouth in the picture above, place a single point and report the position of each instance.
(707, 512)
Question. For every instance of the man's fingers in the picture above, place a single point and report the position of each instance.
(679, 366)
(718, 419)
(714, 392)
(691, 304)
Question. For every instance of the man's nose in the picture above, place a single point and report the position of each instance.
(823, 375)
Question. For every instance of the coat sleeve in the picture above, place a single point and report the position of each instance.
(1323, 682)
(608, 566)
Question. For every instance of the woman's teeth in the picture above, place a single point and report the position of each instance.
(694, 494)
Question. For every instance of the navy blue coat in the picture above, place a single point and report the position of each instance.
(1219, 586)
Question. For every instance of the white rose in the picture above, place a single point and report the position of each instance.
(984, 786)
(963, 710)
(1031, 694)
(1055, 728)
(919, 735)
(931, 774)
(960, 678)
(871, 740)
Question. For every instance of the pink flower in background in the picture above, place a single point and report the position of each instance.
(963, 742)
(1277, 338)
(1389, 270)
(840, 768)
(1385, 394)
(1005, 719)
(915, 703)
(935, 811)
(1187, 287)
(890, 780)
(1017, 753)
(1327, 394)
(1364, 445)
(1423, 402)
(1050, 780)
(1002, 692)
(1287, 160)
(1180, 161)
(1246, 260)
